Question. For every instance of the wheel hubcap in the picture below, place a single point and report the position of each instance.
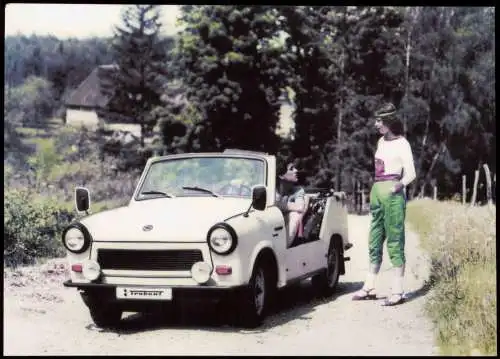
(259, 291)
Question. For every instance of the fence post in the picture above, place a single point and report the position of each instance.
(435, 193)
(464, 189)
(474, 190)
(422, 188)
(488, 185)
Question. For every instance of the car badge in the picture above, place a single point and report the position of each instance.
(147, 228)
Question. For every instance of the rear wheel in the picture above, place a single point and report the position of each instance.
(326, 282)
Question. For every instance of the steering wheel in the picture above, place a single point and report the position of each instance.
(231, 189)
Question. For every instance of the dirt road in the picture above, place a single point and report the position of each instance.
(43, 318)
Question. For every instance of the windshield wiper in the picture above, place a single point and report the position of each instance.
(165, 194)
(196, 188)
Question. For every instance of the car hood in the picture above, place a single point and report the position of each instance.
(180, 219)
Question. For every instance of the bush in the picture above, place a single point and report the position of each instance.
(461, 242)
(32, 227)
(39, 200)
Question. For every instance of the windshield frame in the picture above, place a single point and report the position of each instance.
(156, 160)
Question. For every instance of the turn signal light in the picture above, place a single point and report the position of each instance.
(223, 270)
(77, 268)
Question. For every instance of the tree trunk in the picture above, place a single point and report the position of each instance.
(407, 72)
(143, 130)
(434, 160)
(424, 143)
(339, 124)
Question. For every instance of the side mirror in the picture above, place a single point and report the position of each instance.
(259, 197)
(82, 199)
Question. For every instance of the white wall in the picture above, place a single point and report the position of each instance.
(86, 118)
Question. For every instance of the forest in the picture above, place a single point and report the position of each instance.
(334, 64)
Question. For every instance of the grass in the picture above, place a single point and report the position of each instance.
(461, 242)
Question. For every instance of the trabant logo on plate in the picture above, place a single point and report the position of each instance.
(144, 293)
(147, 228)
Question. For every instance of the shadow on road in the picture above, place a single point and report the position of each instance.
(426, 287)
(294, 302)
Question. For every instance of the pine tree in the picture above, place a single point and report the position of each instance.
(136, 84)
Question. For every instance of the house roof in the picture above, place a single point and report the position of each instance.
(89, 93)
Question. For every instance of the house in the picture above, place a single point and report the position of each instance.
(85, 105)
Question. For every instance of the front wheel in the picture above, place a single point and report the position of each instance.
(326, 282)
(254, 302)
(104, 315)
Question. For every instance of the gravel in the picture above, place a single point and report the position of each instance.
(41, 317)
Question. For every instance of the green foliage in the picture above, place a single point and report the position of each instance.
(32, 229)
(339, 58)
(30, 103)
(461, 242)
(63, 63)
(44, 161)
(233, 74)
(443, 109)
(136, 85)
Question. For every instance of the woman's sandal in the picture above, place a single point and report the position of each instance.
(364, 294)
(394, 299)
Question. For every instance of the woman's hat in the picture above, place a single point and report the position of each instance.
(386, 112)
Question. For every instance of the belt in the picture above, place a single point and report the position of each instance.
(387, 178)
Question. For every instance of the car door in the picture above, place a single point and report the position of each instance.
(272, 226)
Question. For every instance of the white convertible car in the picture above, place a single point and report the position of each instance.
(203, 226)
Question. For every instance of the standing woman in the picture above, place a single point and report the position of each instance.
(394, 169)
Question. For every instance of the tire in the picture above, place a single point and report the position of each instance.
(326, 282)
(104, 315)
(254, 302)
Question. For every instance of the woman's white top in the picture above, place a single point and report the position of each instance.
(395, 158)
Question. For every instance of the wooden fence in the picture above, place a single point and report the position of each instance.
(358, 200)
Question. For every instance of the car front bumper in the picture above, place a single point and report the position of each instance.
(106, 293)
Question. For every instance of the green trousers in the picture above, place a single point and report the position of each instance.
(388, 222)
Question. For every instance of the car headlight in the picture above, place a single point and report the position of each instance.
(76, 238)
(222, 238)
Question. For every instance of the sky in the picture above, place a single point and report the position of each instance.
(73, 20)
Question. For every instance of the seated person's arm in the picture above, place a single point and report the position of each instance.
(299, 203)
(281, 202)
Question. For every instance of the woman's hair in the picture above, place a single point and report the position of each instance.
(282, 167)
(387, 113)
(395, 126)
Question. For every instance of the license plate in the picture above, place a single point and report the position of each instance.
(145, 293)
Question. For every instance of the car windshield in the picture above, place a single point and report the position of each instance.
(203, 176)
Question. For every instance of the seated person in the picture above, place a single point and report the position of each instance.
(291, 199)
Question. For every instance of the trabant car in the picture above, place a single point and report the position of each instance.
(203, 226)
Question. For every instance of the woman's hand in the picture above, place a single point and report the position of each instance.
(397, 187)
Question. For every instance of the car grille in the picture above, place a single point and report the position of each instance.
(167, 260)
